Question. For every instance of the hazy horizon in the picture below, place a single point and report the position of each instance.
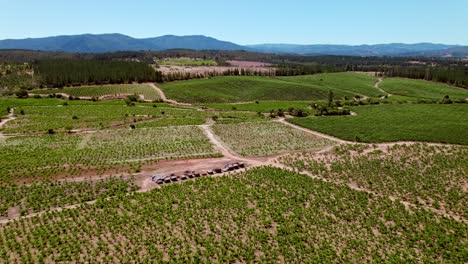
(335, 22)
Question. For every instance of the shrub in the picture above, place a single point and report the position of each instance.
(22, 93)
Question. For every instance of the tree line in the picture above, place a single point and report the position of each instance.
(72, 72)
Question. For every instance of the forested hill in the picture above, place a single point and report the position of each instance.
(89, 43)
(117, 42)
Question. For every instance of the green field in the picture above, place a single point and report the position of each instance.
(422, 89)
(265, 215)
(229, 89)
(106, 90)
(384, 123)
(266, 138)
(187, 62)
(70, 155)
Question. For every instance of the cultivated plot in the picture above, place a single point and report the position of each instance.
(64, 115)
(422, 89)
(434, 176)
(229, 89)
(264, 215)
(145, 90)
(266, 138)
(385, 123)
(99, 152)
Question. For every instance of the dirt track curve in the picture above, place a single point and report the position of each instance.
(164, 98)
(11, 116)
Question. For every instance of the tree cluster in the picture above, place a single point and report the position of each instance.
(60, 73)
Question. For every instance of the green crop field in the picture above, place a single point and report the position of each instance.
(264, 215)
(266, 138)
(384, 123)
(187, 62)
(106, 90)
(229, 89)
(49, 155)
(421, 89)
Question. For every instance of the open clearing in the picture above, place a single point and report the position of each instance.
(187, 62)
(387, 123)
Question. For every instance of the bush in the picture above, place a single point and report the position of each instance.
(22, 94)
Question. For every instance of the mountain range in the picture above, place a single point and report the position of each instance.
(89, 43)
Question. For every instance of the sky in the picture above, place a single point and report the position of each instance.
(244, 21)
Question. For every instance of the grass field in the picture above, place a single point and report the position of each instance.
(106, 90)
(265, 138)
(229, 89)
(264, 215)
(421, 89)
(69, 155)
(187, 62)
(383, 123)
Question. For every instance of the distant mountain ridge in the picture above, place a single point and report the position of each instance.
(358, 50)
(89, 43)
(117, 42)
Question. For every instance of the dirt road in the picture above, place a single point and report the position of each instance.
(377, 86)
(11, 116)
(164, 98)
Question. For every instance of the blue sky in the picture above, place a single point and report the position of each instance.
(245, 21)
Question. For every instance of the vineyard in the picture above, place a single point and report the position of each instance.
(106, 90)
(62, 115)
(230, 89)
(400, 122)
(28, 158)
(120, 181)
(422, 89)
(266, 138)
(26, 199)
(433, 176)
(262, 215)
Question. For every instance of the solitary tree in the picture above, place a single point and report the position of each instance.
(330, 98)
